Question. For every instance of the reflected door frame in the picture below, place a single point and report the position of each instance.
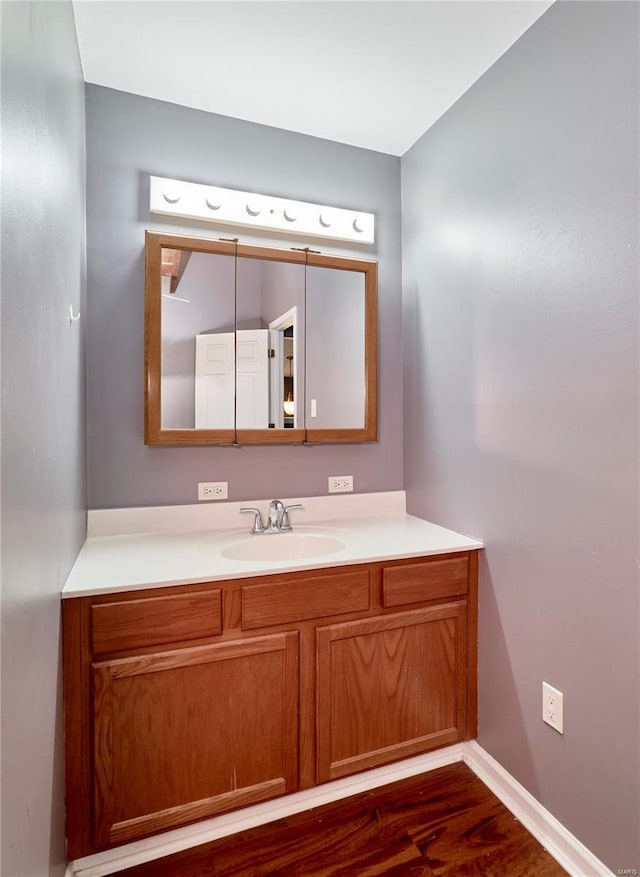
(285, 321)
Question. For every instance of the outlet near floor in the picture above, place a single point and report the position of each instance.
(552, 707)
(212, 490)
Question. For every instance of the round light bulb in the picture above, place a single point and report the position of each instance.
(171, 193)
(252, 208)
(289, 215)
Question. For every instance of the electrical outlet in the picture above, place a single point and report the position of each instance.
(210, 490)
(552, 707)
(341, 484)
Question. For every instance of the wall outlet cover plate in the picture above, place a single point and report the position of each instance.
(209, 491)
(553, 707)
(341, 484)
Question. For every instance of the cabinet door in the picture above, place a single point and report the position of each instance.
(390, 687)
(186, 734)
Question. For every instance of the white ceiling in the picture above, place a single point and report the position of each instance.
(370, 73)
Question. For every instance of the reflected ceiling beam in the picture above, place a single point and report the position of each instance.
(174, 263)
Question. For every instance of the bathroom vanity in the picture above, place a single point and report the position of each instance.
(187, 700)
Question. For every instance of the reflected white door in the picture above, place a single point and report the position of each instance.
(214, 381)
(252, 376)
(276, 379)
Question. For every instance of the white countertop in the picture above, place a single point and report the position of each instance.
(139, 560)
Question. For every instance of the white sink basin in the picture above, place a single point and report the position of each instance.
(283, 546)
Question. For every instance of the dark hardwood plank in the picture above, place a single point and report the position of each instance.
(521, 858)
(445, 823)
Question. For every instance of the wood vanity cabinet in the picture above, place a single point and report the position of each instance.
(189, 701)
(390, 687)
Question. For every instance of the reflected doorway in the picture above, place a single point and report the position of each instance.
(284, 396)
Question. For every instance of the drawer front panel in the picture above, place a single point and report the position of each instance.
(155, 620)
(303, 599)
(430, 580)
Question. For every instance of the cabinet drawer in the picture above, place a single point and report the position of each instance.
(305, 598)
(429, 580)
(153, 621)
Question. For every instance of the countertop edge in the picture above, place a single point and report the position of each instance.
(280, 568)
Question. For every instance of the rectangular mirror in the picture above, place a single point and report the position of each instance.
(257, 345)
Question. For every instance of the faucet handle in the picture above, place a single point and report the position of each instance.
(258, 523)
(285, 523)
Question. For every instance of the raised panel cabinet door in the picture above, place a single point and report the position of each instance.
(390, 687)
(186, 734)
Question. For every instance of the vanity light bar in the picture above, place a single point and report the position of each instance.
(231, 207)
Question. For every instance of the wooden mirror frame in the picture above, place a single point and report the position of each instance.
(154, 434)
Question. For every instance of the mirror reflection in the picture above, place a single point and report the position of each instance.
(197, 329)
(269, 344)
(335, 356)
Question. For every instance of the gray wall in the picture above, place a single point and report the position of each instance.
(43, 416)
(130, 137)
(520, 236)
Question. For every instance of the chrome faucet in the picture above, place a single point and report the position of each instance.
(273, 525)
(278, 520)
(258, 524)
(285, 523)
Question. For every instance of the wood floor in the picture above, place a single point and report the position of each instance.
(445, 822)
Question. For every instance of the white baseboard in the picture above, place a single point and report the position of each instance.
(566, 849)
(112, 861)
